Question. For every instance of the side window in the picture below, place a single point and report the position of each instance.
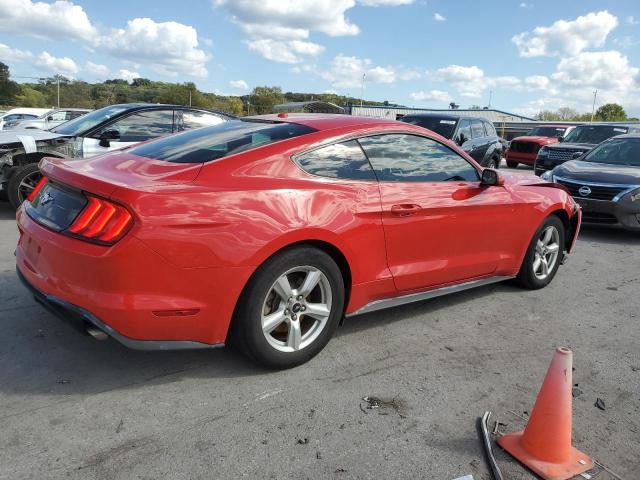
(491, 132)
(186, 120)
(476, 129)
(142, 126)
(410, 158)
(340, 160)
(464, 132)
(59, 116)
(74, 114)
(11, 117)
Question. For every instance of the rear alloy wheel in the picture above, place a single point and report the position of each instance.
(290, 308)
(22, 183)
(543, 256)
(512, 164)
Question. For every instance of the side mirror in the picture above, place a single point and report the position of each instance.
(49, 118)
(461, 139)
(560, 138)
(491, 177)
(575, 155)
(107, 136)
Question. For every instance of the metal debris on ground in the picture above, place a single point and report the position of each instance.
(600, 404)
(382, 405)
(483, 431)
(576, 392)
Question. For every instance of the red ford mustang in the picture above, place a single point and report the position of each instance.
(267, 231)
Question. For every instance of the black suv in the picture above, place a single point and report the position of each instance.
(474, 135)
(577, 142)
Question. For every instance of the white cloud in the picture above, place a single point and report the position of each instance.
(96, 70)
(384, 3)
(566, 37)
(292, 51)
(8, 54)
(59, 66)
(526, 5)
(438, 18)
(239, 84)
(471, 81)
(606, 71)
(631, 20)
(537, 82)
(432, 95)
(169, 48)
(127, 75)
(628, 41)
(347, 72)
(60, 20)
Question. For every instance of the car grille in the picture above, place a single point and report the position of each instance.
(598, 192)
(524, 147)
(562, 155)
(596, 217)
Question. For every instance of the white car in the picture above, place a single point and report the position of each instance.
(16, 115)
(50, 119)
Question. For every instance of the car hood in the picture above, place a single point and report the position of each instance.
(536, 139)
(10, 138)
(591, 172)
(571, 146)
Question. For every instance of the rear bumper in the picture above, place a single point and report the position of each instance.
(129, 291)
(622, 214)
(80, 318)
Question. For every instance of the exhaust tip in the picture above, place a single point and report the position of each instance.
(97, 333)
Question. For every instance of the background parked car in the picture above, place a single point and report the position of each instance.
(475, 135)
(50, 119)
(525, 149)
(15, 115)
(578, 142)
(606, 182)
(100, 131)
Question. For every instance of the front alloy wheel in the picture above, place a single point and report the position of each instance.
(290, 308)
(543, 256)
(546, 253)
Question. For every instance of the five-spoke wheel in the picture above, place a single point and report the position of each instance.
(544, 254)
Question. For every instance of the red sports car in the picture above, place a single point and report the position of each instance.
(267, 231)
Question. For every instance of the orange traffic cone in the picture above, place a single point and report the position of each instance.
(545, 444)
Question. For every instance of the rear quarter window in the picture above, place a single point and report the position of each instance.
(344, 160)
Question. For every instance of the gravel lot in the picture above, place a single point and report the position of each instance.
(74, 407)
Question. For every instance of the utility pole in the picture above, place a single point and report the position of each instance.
(593, 109)
(58, 82)
(362, 89)
(490, 97)
(189, 97)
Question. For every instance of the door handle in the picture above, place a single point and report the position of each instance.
(405, 209)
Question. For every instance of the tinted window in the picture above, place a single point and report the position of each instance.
(489, 130)
(142, 126)
(593, 134)
(465, 129)
(91, 120)
(476, 129)
(442, 126)
(410, 158)
(218, 141)
(622, 151)
(547, 132)
(186, 120)
(13, 116)
(341, 160)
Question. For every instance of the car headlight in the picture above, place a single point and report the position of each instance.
(543, 152)
(547, 176)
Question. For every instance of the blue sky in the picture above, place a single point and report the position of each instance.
(531, 55)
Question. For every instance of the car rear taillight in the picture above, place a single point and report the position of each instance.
(37, 188)
(101, 221)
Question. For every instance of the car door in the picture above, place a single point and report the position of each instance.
(441, 225)
(479, 141)
(463, 136)
(135, 128)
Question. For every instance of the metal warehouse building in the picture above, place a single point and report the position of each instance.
(508, 125)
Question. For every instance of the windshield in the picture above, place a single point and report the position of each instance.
(86, 122)
(218, 141)
(442, 126)
(547, 132)
(620, 151)
(593, 134)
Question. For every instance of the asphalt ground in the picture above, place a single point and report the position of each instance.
(73, 407)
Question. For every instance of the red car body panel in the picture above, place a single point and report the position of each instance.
(201, 230)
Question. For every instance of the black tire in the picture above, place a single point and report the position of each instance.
(495, 163)
(512, 164)
(246, 330)
(17, 193)
(527, 277)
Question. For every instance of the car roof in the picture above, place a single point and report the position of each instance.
(555, 125)
(32, 111)
(611, 124)
(142, 105)
(635, 134)
(322, 121)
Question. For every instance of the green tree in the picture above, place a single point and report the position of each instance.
(611, 112)
(30, 97)
(8, 88)
(264, 98)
